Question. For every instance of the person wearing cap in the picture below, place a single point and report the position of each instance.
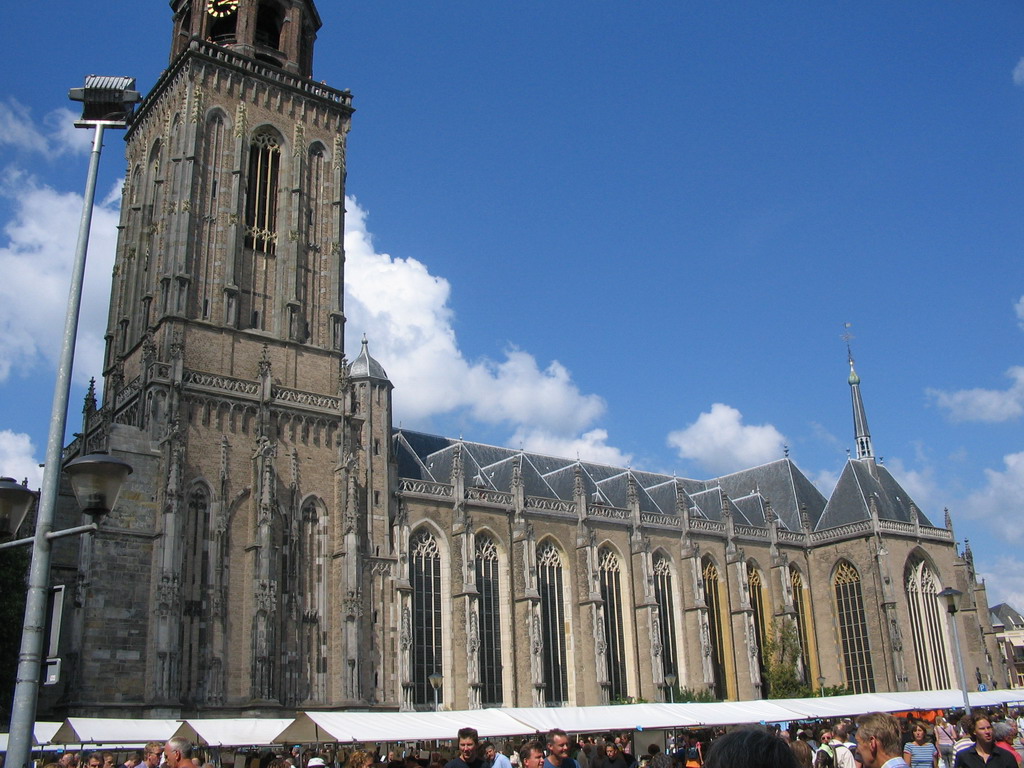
(316, 762)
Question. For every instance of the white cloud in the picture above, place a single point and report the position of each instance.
(17, 458)
(998, 503)
(590, 446)
(825, 480)
(404, 311)
(920, 484)
(35, 260)
(1004, 581)
(58, 137)
(1018, 73)
(989, 405)
(722, 443)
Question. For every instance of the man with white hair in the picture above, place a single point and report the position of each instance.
(178, 753)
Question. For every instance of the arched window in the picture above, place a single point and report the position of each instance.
(853, 629)
(611, 594)
(255, 273)
(552, 617)
(663, 595)
(927, 624)
(213, 185)
(487, 583)
(313, 575)
(803, 627)
(311, 283)
(713, 600)
(755, 587)
(194, 567)
(261, 200)
(425, 577)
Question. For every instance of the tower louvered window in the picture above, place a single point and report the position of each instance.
(425, 578)
(611, 594)
(487, 582)
(713, 600)
(261, 201)
(553, 629)
(927, 625)
(853, 629)
(663, 595)
(255, 273)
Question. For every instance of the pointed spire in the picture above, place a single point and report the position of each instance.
(860, 419)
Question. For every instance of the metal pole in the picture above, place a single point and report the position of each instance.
(26, 692)
(960, 663)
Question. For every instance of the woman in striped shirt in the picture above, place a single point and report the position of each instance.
(920, 753)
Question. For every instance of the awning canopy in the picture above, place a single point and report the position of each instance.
(233, 731)
(42, 733)
(113, 731)
(398, 726)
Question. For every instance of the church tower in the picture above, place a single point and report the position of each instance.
(260, 492)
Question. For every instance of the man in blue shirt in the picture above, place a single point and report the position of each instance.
(558, 750)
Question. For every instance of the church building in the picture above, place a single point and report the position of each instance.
(282, 546)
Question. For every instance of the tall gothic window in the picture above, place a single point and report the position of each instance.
(713, 600)
(803, 627)
(492, 694)
(261, 200)
(666, 614)
(611, 594)
(311, 281)
(425, 576)
(215, 143)
(255, 278)
(927, 625)
(313, 637)
(755, 586)
(195, 580)
(853, 629)
(553, 629)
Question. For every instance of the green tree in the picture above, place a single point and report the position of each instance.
(781, 654)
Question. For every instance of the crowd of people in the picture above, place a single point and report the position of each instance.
(876, 740)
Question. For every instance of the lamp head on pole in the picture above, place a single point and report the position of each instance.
(106, 100)
(96, 480)
(15, 502)
(435, 679)
(950, 596)
(671, 679)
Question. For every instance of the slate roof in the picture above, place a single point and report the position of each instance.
(749, 492)
(857, 486)
(1005, 616)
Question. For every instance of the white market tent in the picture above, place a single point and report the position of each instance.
(398, 726)
(42, 734)
(233, 731)
(369, 727)
(113, 732)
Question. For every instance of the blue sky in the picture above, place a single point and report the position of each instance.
(632, 230)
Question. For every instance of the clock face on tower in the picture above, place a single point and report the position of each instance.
(221, 8)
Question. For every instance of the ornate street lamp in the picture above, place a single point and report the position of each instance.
(821, 685)
(950, 596)
(15, 501)
(108, 102)
(436, 680)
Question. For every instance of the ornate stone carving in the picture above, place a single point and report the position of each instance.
(167, 591)
(266, 596)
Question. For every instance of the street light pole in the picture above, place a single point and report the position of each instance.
(108, 103)
(951, 595)
(436, 680)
